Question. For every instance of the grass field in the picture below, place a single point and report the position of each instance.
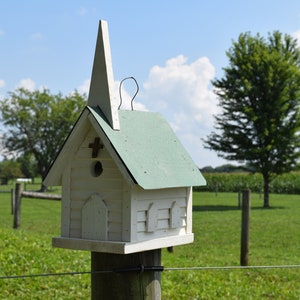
(274, 240)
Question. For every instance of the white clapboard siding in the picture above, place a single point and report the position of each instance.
(75, 232)
(108, 186)
(163, 204)
(76, 214)
(105, 184)
(85, 162)
(169, 216)
(170, 193)
(114, 236)
(114, 231)
(109, 171)
(81, 195)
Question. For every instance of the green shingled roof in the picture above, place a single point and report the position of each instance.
(150, 150)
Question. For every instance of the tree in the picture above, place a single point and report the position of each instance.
(37, 123)
(9, 169)
(29, 166)
(259, 99)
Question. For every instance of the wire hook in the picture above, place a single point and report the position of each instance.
(120, 91)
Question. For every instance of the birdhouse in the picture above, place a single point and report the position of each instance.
(126, 179)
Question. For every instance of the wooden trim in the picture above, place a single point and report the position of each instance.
(121, 247)
(66, 203)
(189, 210)
(127, 214)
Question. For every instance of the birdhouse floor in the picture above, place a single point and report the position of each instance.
(121, 247)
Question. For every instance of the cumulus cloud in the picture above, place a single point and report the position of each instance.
(82, 11)
(37, 36)
(2, 83)
(84, 87)
(296, 35)
(182, 91)
(27, 84)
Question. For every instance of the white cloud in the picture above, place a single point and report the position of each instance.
(82, 11)
(37, 36)
(84, 87)
(296, 35)
(27, 84)
(182, 92)
(183, 88)
(2, 83)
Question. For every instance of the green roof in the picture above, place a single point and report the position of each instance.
(150, 150)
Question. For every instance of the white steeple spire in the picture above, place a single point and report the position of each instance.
(102, 92)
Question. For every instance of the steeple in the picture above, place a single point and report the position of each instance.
(102, 92)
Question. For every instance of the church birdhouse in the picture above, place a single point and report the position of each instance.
(126, 179)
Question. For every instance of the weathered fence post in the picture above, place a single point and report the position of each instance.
(17, 208)
(245, 227)
(135, 275)
(12, 195)
(216, 189)
(239, 199)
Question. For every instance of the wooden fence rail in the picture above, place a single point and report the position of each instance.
(16, 197)
(38, 195)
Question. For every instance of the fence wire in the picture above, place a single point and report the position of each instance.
(162, 269)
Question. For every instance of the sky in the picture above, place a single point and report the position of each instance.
(174, 49)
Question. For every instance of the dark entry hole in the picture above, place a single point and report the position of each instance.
(97, 169)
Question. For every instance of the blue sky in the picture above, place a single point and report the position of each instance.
(173, 49)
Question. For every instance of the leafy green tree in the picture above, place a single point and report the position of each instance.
(259, 97)
(10, 169)
(37, 123)
(29, 166)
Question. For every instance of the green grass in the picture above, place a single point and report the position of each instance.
(274, 240)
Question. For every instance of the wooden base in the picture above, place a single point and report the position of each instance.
(126, 285)
(121, 247)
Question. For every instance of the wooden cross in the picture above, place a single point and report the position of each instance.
(96, 146)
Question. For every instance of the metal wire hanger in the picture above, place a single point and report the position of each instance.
(120, 91)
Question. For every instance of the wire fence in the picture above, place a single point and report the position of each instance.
(152, 268)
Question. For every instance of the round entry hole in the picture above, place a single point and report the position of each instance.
(97, 169)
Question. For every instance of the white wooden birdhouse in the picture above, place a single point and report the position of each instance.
(126, 179)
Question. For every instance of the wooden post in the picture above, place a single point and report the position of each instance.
(17, 208)
(12, 197)
(129, 284)
(245, 227)
(216, 189)
(239, 199)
